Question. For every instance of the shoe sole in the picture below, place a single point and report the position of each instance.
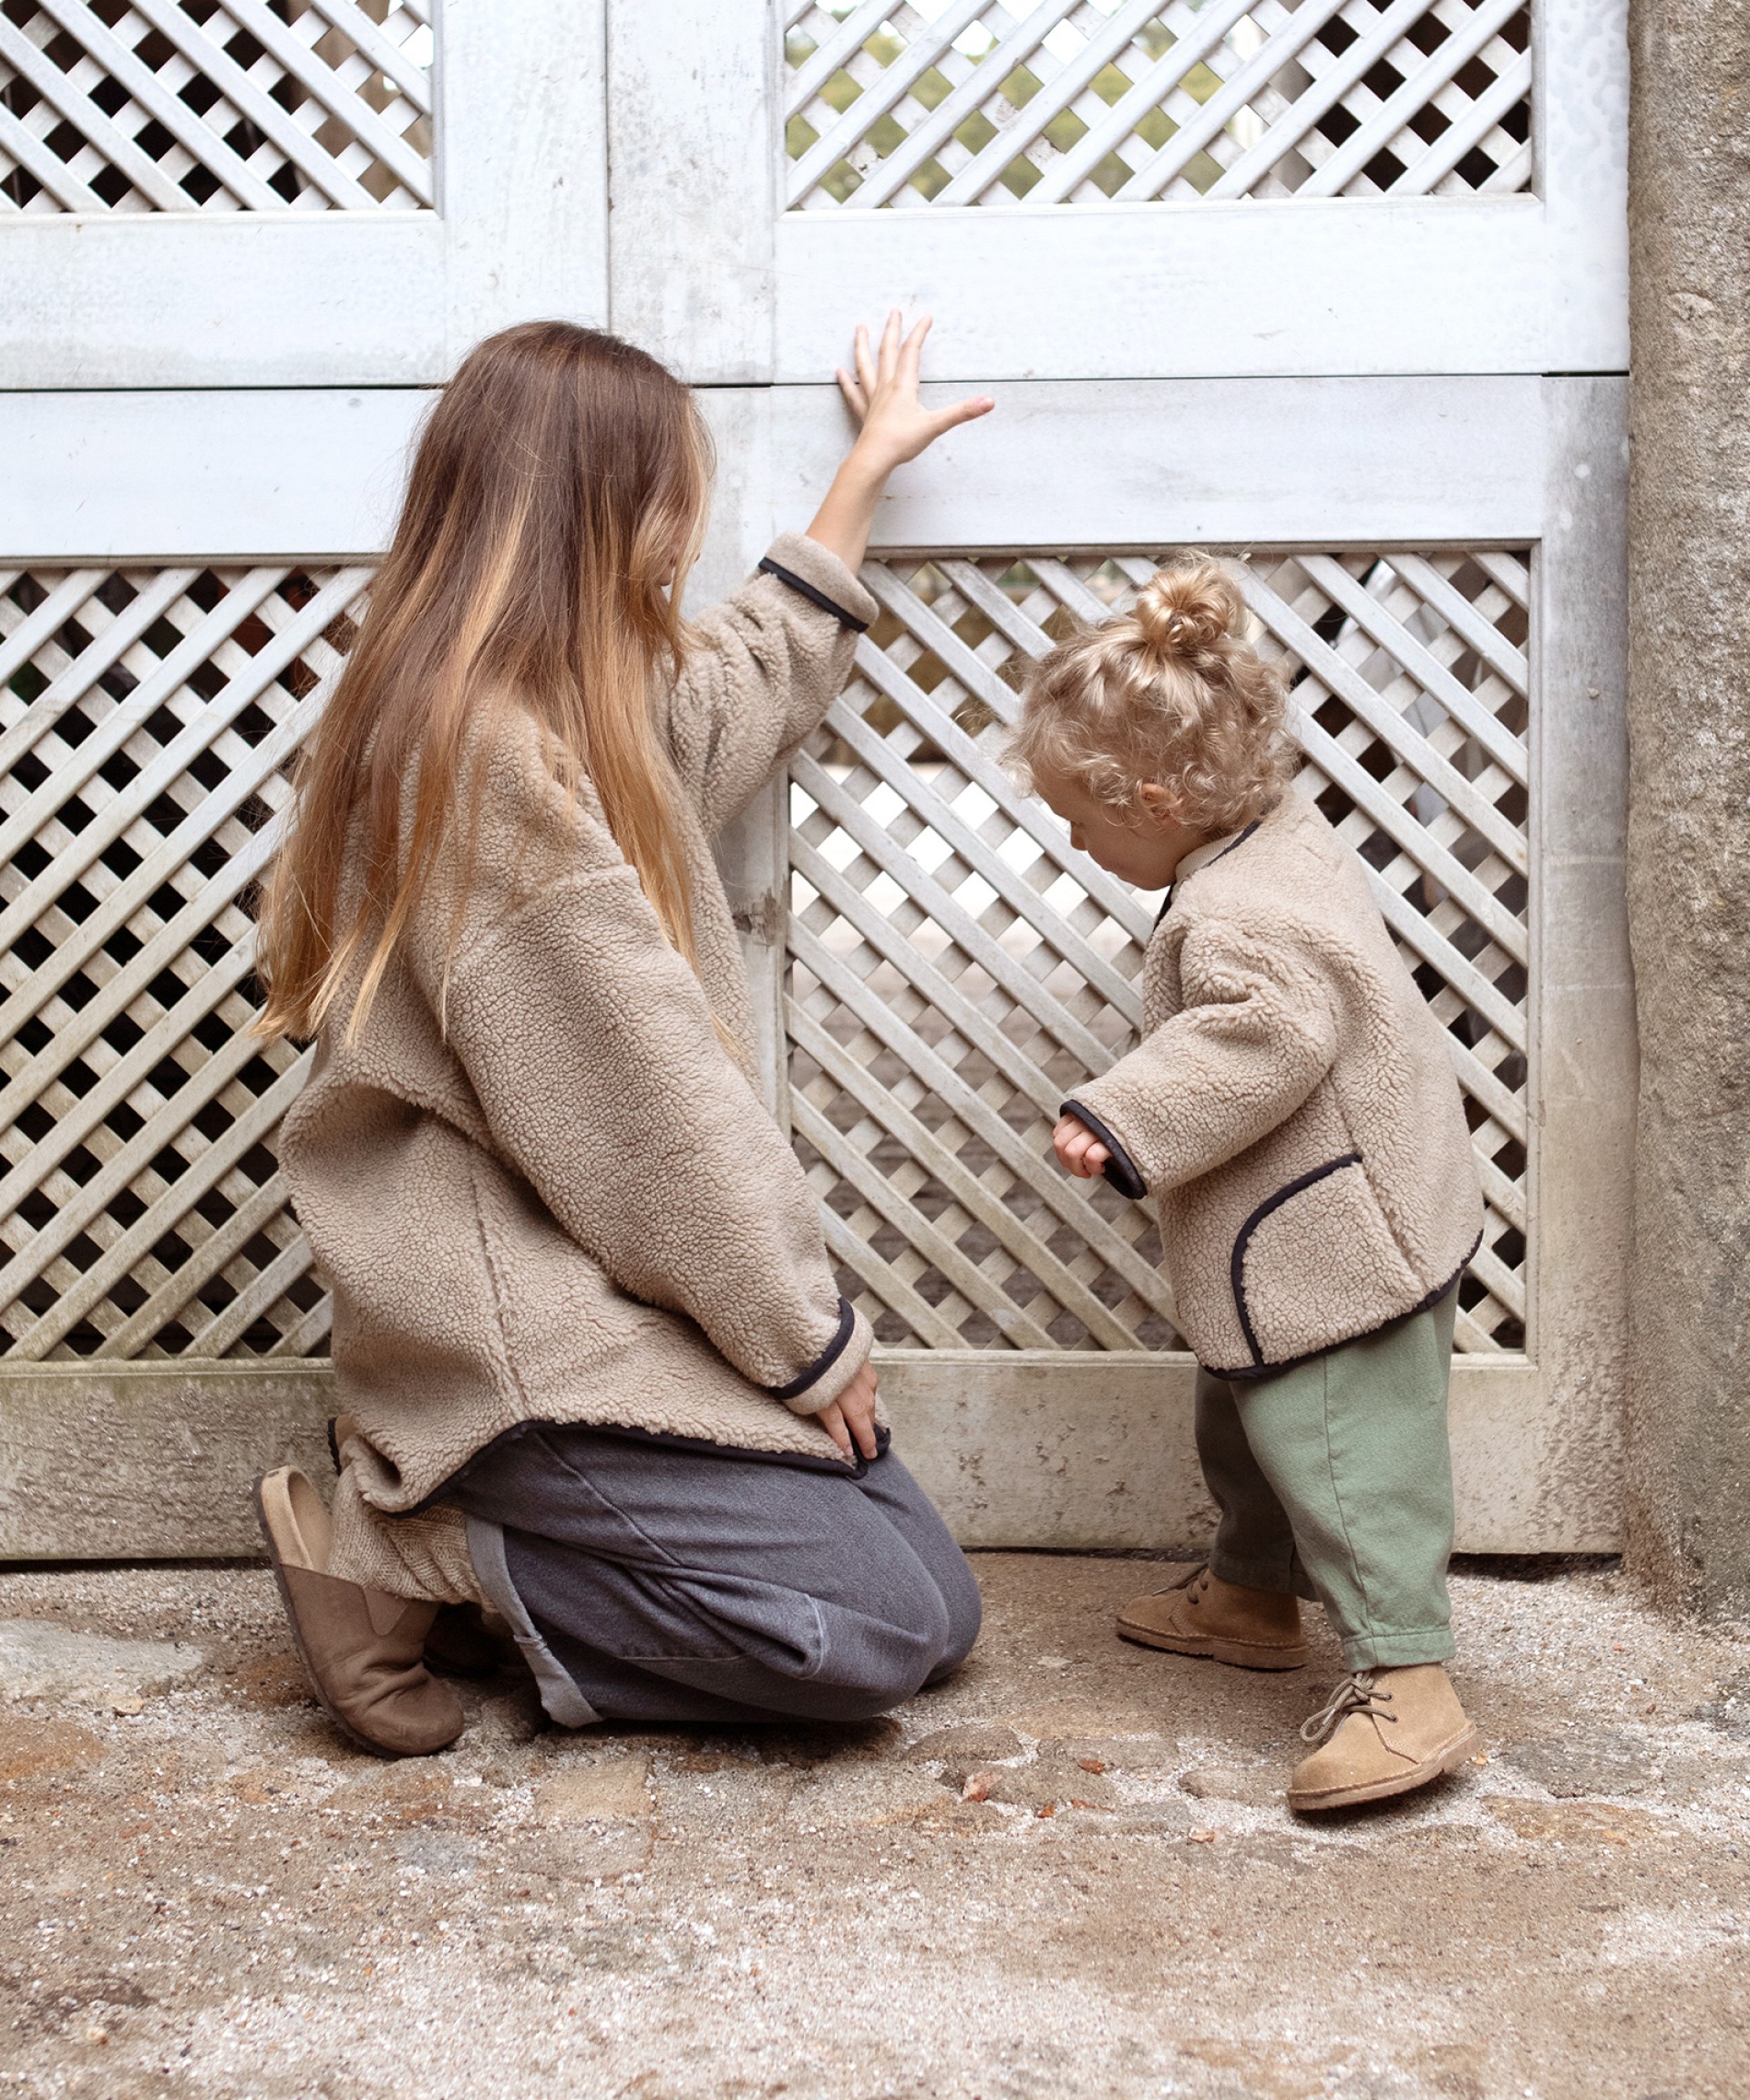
(1443, 1761)
(1239, 1654)
(333, 1711)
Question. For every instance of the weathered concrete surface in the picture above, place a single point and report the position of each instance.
(42, 1660)
(1067, 1451)
(103, 1461)
(1066, 1875)
(1688, 1460)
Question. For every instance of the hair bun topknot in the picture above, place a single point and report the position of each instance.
(1187, 609)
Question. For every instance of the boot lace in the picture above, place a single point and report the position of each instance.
(1357, 1694)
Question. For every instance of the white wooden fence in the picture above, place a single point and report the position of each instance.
(243, 106)
(1093, 102)
(959, 968)
(1275, 276)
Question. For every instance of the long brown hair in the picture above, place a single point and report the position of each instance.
(556, 502)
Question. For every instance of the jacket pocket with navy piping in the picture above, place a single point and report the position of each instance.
(1316, 1264)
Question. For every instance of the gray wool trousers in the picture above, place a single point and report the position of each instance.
(650, 1582)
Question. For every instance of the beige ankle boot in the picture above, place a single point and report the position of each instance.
(1382, 1732)
(462, 1640)
(360, 1648)
(1202, 1615)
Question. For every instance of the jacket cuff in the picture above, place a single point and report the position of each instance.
(837, 1365)
(1120, 1169)
(806, 565)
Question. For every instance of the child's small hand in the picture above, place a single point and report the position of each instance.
(884, 398)
(1078, 1150)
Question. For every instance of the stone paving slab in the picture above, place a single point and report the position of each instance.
(1068, 1873)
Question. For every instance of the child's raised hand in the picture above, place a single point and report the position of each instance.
(883, 397)
(1078, 1150)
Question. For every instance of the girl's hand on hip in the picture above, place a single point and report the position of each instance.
(1078, 1150)
(852, 1415)
(882, 395)
(884, 398)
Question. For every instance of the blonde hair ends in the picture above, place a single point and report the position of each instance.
(1170, 692)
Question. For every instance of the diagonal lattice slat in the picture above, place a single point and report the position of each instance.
(957, 967)
(134, 105)
(147, 717)
(998, 102)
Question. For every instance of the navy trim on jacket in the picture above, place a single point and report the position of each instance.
(1425, 1305)
(767, 567)
(1242, 1240)
(825, 1361)
(1232, 846)
(1120, 1169)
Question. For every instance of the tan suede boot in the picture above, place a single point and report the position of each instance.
(462, 1640)
(360, 1648)
(1382, 1732)
(1202, 1615)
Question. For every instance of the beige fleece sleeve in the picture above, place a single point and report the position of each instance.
(768, 663)
(592, 1051)
(1257, 1034)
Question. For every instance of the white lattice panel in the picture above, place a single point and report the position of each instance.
(940, 102)
(958, 968)
(215, 106)
(146, 719)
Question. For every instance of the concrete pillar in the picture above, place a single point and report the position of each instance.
(1688, 1457)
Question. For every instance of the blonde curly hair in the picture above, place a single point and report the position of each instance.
(1170, 692)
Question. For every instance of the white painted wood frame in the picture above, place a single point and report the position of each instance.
(511, 222)
(1310, 373)
(1028, 1446)
(740, 288)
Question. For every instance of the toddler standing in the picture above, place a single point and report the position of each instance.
(1292, 1107)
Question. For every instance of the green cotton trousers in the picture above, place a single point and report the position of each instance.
(1335, 1480)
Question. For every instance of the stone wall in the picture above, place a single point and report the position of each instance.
(1688, 1469)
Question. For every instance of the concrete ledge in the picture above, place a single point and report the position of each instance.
(150, 1461)
(153, 1461)
(1087, 1452)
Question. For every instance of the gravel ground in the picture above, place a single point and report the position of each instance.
(1068, 1873)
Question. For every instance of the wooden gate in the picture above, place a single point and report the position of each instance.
(1297, 283)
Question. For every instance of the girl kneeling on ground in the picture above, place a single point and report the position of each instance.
(1293, 1108)
(596, 1372)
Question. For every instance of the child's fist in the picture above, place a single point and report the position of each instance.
(1078, 1150)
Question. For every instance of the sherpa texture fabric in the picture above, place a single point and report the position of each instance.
(1292, 1104)
(539, 1186)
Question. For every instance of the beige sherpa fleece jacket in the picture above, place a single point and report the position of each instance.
(538, 1185)
(1292, 1102)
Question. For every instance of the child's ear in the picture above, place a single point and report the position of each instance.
(1161, 803)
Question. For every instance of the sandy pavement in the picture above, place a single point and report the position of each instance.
(1068, 1873)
